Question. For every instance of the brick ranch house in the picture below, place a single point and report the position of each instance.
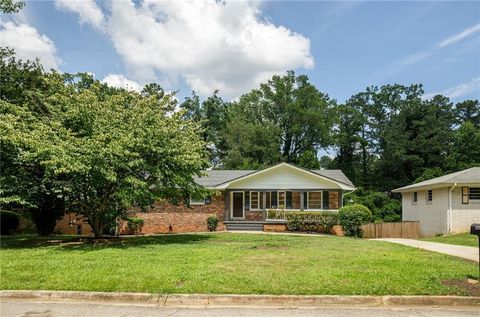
(244, 200)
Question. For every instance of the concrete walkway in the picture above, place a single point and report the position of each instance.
(469, 253)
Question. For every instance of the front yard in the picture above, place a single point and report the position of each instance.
(228, 263)
(465, 239)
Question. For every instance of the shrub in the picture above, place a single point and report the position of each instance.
(212, 223)
(311, 221)
(135, 225)
(352, 217)
(384, 207)
(8, 222)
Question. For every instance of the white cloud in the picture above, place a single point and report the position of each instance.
(460, 90)
(88, 11)
(119, 81)
(210, 46)
(460, 36)
(29, 44)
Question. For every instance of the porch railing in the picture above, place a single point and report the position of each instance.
(281, 214)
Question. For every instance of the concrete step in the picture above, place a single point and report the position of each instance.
(244, 226)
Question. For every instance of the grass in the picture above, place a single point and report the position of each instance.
(228, 263)
(465, 239)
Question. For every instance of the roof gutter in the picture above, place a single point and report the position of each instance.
(449, 216)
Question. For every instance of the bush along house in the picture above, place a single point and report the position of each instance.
(243, 200)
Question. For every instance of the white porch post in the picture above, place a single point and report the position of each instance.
(302, 204)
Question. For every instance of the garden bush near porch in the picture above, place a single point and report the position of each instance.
(311, 221)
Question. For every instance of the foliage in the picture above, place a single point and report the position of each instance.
(382, 206)
(212, 223)
(285, 119)
(100, 150)
(11, 6)
(351, 217)
(311, 221)
(9, 222)
(228, 264)
(134, 224)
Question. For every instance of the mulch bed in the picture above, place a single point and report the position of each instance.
(463, 284)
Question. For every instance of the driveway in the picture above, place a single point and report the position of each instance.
(469, 253)
(60, 309)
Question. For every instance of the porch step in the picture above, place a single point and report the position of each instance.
(244, 226)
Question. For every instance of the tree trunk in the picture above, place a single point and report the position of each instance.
(97, 226)
(47, 215)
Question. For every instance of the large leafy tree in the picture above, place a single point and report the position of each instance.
(288, 109)
(212, 115)
(99, 150)
(23, 179)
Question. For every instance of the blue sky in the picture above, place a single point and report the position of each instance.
(342, 46)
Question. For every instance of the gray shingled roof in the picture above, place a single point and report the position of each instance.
(471, 175)
(217, 177)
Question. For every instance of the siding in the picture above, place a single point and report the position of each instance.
(432, 216)
(463, 215)
(284, 177)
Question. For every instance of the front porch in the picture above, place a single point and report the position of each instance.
(270, 206)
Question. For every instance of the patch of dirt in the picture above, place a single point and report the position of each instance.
(469, 288)
(270, 247)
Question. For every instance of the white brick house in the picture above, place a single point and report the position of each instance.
(446, 204)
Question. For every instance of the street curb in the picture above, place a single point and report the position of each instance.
(206, 300)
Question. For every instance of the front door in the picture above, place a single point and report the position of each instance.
(237, 211)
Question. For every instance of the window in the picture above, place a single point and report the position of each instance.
(194, 201)
(296, 200)
(314, 200)
(414, 198)
(465, 195)
(429, 196)
(281, 200)
(254, 200)
(473, 193)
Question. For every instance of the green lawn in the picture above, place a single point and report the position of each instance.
(228, 263)
(460, 239)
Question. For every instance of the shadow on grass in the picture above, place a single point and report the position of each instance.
(87, 243)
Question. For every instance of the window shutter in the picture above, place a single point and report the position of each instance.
(465, 198)
(325, 204)
(247, 200)
(274, 200)
(208, 200)
(305, 194)
(289, 200)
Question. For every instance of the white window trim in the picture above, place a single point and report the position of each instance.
(197, 203)
(243, 204)
(321, 199)
(414, 202)
(250, 201)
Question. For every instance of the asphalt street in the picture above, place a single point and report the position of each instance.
(22, 308)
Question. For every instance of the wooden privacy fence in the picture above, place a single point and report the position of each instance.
(405, 229)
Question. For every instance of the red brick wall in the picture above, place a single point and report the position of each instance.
(254, 215)
(160, 218)
(68, 225)
(180, 218)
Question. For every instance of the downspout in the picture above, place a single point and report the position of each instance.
(449, 216)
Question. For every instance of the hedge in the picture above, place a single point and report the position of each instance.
(352, 217)
(9, 222)
(311, 221)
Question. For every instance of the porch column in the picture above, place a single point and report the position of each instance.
(302, 196)
(264, 199)
(227, 205)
